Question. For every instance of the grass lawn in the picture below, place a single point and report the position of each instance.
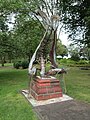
(78, 83)
(13, 106)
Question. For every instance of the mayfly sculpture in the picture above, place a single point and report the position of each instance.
(42, 85)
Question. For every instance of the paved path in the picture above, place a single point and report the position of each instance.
(69, 110)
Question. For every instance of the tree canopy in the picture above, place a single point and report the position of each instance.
(61, 49)
(74, 16)
(77, 20)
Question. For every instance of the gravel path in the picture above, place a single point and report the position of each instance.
(69, 110)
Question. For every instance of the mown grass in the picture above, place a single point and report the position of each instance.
(78, 83)
(13, 105)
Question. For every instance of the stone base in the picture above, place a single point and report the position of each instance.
(45, 102)
(45, 88)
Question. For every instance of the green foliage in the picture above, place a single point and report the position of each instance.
(3, 25)
(61, 49)
(63, 61)
(17, 64)
(75, 14)
(26, 33)
(83, 62)
(21, 64)
(75, 57)
(76, 17)
(74, 52)
(25, 64)
(70, 62)
(85, 53)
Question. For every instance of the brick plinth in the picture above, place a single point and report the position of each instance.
(45, 88)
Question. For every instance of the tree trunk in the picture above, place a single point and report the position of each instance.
(2, 61)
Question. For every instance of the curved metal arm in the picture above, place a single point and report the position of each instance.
(34, 55)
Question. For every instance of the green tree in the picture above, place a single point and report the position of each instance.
(4, 48)
(85, 53)
(3, 36)
(76, 18)
(27, 34)
(75, 14)
(8, 48)
(61, 49)
(74, 52)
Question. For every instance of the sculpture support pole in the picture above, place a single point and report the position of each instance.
(42, 65)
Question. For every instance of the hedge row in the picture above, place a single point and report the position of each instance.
(69, 61)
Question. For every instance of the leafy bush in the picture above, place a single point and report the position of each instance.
(25, 64)
(63, 61)
(17, 64)
(83, 62)
(69, 61)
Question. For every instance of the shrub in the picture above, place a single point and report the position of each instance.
(83, 62)
(63, 61)
(69, 61)
(25, 64)
(17, 64)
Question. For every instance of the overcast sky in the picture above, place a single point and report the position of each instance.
(64, 38)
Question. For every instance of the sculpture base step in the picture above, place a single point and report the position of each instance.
(45, 88)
